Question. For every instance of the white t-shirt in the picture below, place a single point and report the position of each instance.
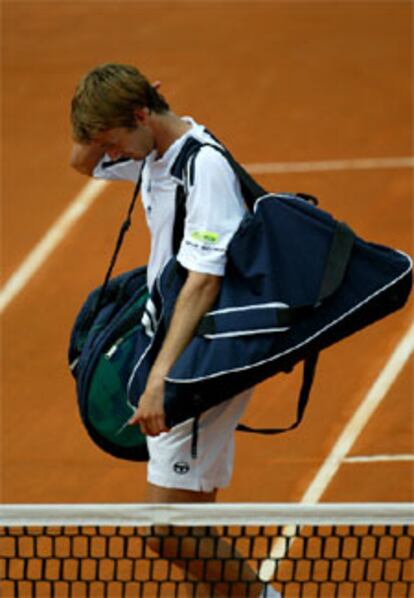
(214, 205)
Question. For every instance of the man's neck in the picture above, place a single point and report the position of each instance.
(167, 128)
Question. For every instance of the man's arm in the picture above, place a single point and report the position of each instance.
(196, 297)
(85, 157)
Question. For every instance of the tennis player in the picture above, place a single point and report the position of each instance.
(119, 120)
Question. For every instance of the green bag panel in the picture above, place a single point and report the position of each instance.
(108, 407)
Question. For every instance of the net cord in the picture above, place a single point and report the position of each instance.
(214, 514)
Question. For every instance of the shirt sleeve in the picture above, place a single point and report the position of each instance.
(123, 169)
(215, 208)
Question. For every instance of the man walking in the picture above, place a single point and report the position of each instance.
(119, 120)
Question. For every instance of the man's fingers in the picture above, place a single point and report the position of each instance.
(161, 424)
(150, 425)
(143, 423)
(134, 419)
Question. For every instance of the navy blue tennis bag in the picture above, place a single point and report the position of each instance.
(296, 282)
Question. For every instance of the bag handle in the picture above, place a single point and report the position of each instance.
(309, 368)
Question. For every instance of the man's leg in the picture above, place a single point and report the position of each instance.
(175, 476)
(207, 558)
(158, 494)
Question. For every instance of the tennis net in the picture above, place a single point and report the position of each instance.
(327, 550)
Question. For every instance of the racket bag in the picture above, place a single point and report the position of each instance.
(296, 282)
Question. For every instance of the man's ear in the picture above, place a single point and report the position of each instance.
(141, 115)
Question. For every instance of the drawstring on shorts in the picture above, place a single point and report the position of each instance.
(194, 439)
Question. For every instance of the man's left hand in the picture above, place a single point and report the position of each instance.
(150, 415)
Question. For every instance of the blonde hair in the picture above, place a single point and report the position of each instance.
(106, 98)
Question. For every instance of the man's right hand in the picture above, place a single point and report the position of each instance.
(85, 156)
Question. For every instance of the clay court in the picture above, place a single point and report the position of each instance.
(311, 96)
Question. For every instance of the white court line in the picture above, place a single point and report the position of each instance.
(360, 418)
(93, 188)
(330, 165)
(344, 443)
(39, 254)
(378, 458)
(200, 3)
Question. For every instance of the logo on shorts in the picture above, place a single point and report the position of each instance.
(181, 467)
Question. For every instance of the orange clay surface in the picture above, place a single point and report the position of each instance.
(277, 82)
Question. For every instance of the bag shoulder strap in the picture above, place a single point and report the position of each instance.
(122, 232)
(184, 165)
(183, 170)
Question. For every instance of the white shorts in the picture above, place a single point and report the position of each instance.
(171, 464)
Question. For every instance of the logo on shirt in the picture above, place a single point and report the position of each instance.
(205, 237)
(181, 467)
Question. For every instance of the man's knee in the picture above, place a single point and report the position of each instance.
(161, 494)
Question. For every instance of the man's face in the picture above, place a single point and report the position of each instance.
(130, 143)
